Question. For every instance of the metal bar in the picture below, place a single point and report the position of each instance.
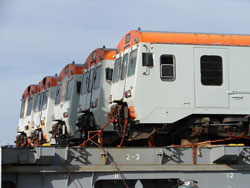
(127, 168)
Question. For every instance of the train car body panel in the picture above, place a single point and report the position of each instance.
(94, 99)
(66, 103)
(26, 123)
(43, 110)
(166, 80)
(196, 97)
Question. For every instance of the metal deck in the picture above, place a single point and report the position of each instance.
(217, 166)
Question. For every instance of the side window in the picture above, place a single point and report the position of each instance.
(22, 109)
(58, 94)
(98, 73)
(69, 89)
(132, 62)
(45, 100)
(85, 83)
(124, 66)
(116, 70)
(30, 101)
(211, 70)
(91, 75)
(167, 63)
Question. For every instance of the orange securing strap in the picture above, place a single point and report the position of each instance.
(44, 136)
(28, 141)
(132, 112)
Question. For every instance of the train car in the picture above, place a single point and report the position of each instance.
(66, 103)
(176, 87)
(25, 123)
(96, 88)
(43, 110)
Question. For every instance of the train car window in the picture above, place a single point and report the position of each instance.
(30, 102)
(132, 62)
(91, 75)
(211, 70)
(127, 38)
(69, 89)
(85, 83)
(38, 103)
(22, 109)
(98, 73)
(167, 67)
(78, 87)
(124, 66)
(45, 100)
(117, 70)
(58, 94)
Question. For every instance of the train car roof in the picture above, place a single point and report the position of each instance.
(47, 82)
(30, 91)
(99, 54)
(137, 36)
(71, 69)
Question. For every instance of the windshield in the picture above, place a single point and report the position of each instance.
(38, 103)
(22, 109)
(116, 70)
(69, 89)
(58, 94)
(45, 100)
(98, 73)
(85, 83)
(91, 75)
(132, 62)
(124, 66)
(30, 101)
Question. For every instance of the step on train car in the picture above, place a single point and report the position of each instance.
(43, 110)
(96, 87)
(181, 87)
(25, 123)
(66, 103)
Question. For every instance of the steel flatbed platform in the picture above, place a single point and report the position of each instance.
(139, 167)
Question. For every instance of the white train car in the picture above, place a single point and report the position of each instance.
(181, 86)
(66, 103)
(25, 125)
(96, 88)
(43, 110)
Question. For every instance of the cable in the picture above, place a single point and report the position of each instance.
(123, 133)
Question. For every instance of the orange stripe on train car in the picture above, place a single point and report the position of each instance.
(183, 38)
(70, 70)
(99, 54)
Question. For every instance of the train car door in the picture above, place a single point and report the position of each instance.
(211, 77)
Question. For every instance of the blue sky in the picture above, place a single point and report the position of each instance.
(39, 37)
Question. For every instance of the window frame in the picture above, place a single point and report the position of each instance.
(203, 71)
(173, 65)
